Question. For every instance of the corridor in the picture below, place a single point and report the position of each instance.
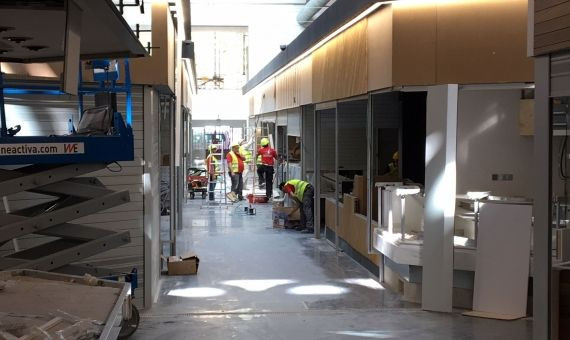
(256, 282)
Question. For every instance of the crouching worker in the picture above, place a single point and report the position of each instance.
(303, 194)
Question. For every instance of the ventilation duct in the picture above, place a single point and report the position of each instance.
(309, 10)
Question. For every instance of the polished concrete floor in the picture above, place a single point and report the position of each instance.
(256, 282)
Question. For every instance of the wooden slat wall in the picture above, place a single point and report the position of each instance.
(43, 116)
(380, 40)
(551, 26)
(413, 43)
(293, 87)
(340, 67)
(286, 89)
(414, 48)
(267, 97)
(305, 81)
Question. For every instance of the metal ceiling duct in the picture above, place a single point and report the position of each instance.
(309, 10)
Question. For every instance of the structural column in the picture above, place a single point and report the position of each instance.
(542, 200)
(440, 188)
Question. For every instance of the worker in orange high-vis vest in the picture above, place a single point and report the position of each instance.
(236, 166)
(266, 170)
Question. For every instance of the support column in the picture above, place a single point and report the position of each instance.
(317, 174)
(437, 255)
(542, 200)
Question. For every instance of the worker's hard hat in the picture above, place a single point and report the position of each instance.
(264, 141)
(235, 144)
(396, 155)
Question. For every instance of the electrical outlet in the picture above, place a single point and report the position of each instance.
(494, 177)
(508, 177)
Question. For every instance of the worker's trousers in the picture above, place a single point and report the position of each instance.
(212, 187)
(307, 210)
(237, 184)
(265, 173)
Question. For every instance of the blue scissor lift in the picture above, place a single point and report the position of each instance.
(55, 165)
(51, 166)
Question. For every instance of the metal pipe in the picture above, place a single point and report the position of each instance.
(338, 192)
(3, 128)
(369, 175)
(317, 174)
(403, 218)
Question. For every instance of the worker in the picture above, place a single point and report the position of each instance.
(260, 176)
(266, 170)
(303, 194)
(247, 158)
(244, 152)
(213, 169)
(236, 166)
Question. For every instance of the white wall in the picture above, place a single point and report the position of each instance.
(488, 142)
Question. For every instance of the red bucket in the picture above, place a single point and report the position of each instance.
(256, 199)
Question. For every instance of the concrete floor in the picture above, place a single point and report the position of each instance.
(256, 282)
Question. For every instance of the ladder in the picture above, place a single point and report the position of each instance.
(220, 189)
(73, 198)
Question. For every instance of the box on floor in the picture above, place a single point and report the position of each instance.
(185, 264)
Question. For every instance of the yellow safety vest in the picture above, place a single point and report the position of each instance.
(213, 160)
(245, 153)
(235, 162)
(259, 162)
(300, 187)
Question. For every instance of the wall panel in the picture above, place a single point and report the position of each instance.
(267, 96)
(340, 67)
(551, 26)
(305, 81)
(379, 35)
(158, 69)
(414, 49)
(471, 52)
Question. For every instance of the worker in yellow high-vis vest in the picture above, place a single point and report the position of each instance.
(236, 166)
(303, 194)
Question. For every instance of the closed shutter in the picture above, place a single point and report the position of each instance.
(560, 75)
(294, 122)
(282, 118)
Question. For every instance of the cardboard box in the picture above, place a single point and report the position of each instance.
(281, 218)
(186, 264)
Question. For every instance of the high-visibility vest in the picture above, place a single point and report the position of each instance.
(235, 162)
(300, 187)
(211, 159)
(245, 153)
(259, 162)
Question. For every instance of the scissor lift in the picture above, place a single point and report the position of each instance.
(51, 165)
